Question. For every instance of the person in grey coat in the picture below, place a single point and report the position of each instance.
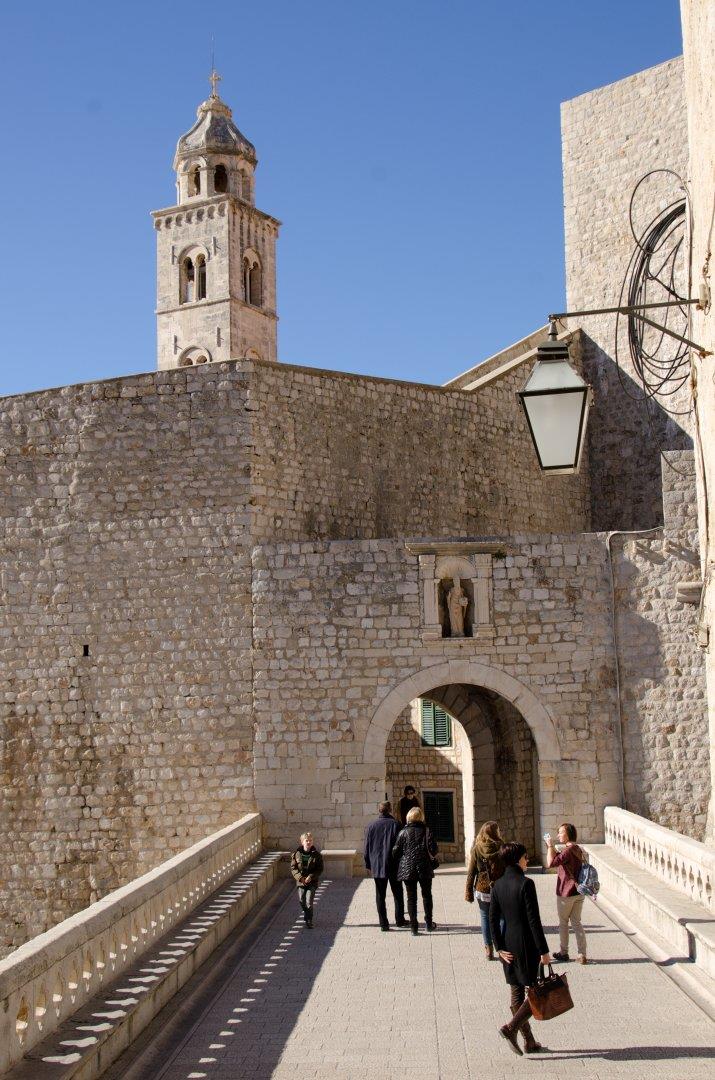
(380, 837)
(519, 938)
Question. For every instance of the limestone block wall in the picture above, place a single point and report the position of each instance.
(223, 229)
(255, 231)
(428, 768)
(698, 19)
(125, 630)
(610, 138)
(339, 654)
(204, 324)
(662, 669)
(344, 456)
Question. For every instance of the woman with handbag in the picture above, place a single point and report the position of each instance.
(519, 940)
(483, 870)
(415, 852)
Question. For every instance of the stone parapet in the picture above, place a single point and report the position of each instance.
(49, 978)
(683, 864)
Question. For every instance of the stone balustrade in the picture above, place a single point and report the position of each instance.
(685, 865)
(50, 977)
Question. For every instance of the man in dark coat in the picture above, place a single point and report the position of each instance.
(518, 935)
(380, 837)
(407, 802)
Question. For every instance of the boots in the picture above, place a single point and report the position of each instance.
(531, 1046)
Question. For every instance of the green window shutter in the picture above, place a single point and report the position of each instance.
(436, 725)
(442, 728)
(428, 725)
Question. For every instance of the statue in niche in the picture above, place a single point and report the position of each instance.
(457, 602)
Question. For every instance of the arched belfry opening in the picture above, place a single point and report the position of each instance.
(471, 756)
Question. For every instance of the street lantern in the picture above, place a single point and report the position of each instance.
(555, 401)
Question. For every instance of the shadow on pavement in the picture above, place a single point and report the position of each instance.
(636, 1053)
(236, 1014)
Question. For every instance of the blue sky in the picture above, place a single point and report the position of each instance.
(411, 150)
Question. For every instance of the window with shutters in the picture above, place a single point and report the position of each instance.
(436, 725)
(439, 815)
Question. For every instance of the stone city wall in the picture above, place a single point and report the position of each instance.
(125, 633)
(662, 668)
(610, 138)
(348, 457)
(698, 19)
(125, 620)
(130, 690)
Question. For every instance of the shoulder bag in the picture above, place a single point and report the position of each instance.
(550, 995)
(434, 861)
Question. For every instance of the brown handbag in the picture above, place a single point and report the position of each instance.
(550, 995)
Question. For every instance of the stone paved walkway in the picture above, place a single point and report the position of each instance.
(347, 1001)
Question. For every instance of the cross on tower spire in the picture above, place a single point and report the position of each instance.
(214, 79)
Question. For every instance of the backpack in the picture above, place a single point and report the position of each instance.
(587, 883)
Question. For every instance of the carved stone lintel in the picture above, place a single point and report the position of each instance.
(488, 545)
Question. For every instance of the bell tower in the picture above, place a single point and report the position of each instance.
(216, 253)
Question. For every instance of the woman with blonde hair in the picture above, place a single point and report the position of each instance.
(485, 867)
(415, 853)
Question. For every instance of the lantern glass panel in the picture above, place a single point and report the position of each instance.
(553, 375)
(557, 422)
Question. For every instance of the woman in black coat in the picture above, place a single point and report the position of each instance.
(516, 928)
(414, 852)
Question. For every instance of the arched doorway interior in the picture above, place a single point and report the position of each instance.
(487, 769)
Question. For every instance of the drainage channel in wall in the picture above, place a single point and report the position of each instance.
(103, 1027)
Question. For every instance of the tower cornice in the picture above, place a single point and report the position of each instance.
(236, 204)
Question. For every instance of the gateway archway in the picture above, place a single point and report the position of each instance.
(501, 734)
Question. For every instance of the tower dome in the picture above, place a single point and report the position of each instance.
(216, 152)
(214, 133)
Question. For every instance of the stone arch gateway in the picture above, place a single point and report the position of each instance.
(502, 784)
(461, 671)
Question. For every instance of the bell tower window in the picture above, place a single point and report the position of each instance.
(195, 181)
(220, 179)
(188, 282)
(252, 283)
(200, 278)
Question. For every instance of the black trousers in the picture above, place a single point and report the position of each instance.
(381, 884)
(425, 884)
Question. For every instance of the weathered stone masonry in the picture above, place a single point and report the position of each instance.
(131, 507)
(610, 138)
(347, 614)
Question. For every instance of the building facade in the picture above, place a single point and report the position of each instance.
(226, 583)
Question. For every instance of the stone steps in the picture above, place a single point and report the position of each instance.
(677, 933)
(89, 1041)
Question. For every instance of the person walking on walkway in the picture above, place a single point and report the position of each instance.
(408, 801)
(569, 902)
(306, 866)
(483, 870)
(416, 852)
(519, 938)
(380, 837)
